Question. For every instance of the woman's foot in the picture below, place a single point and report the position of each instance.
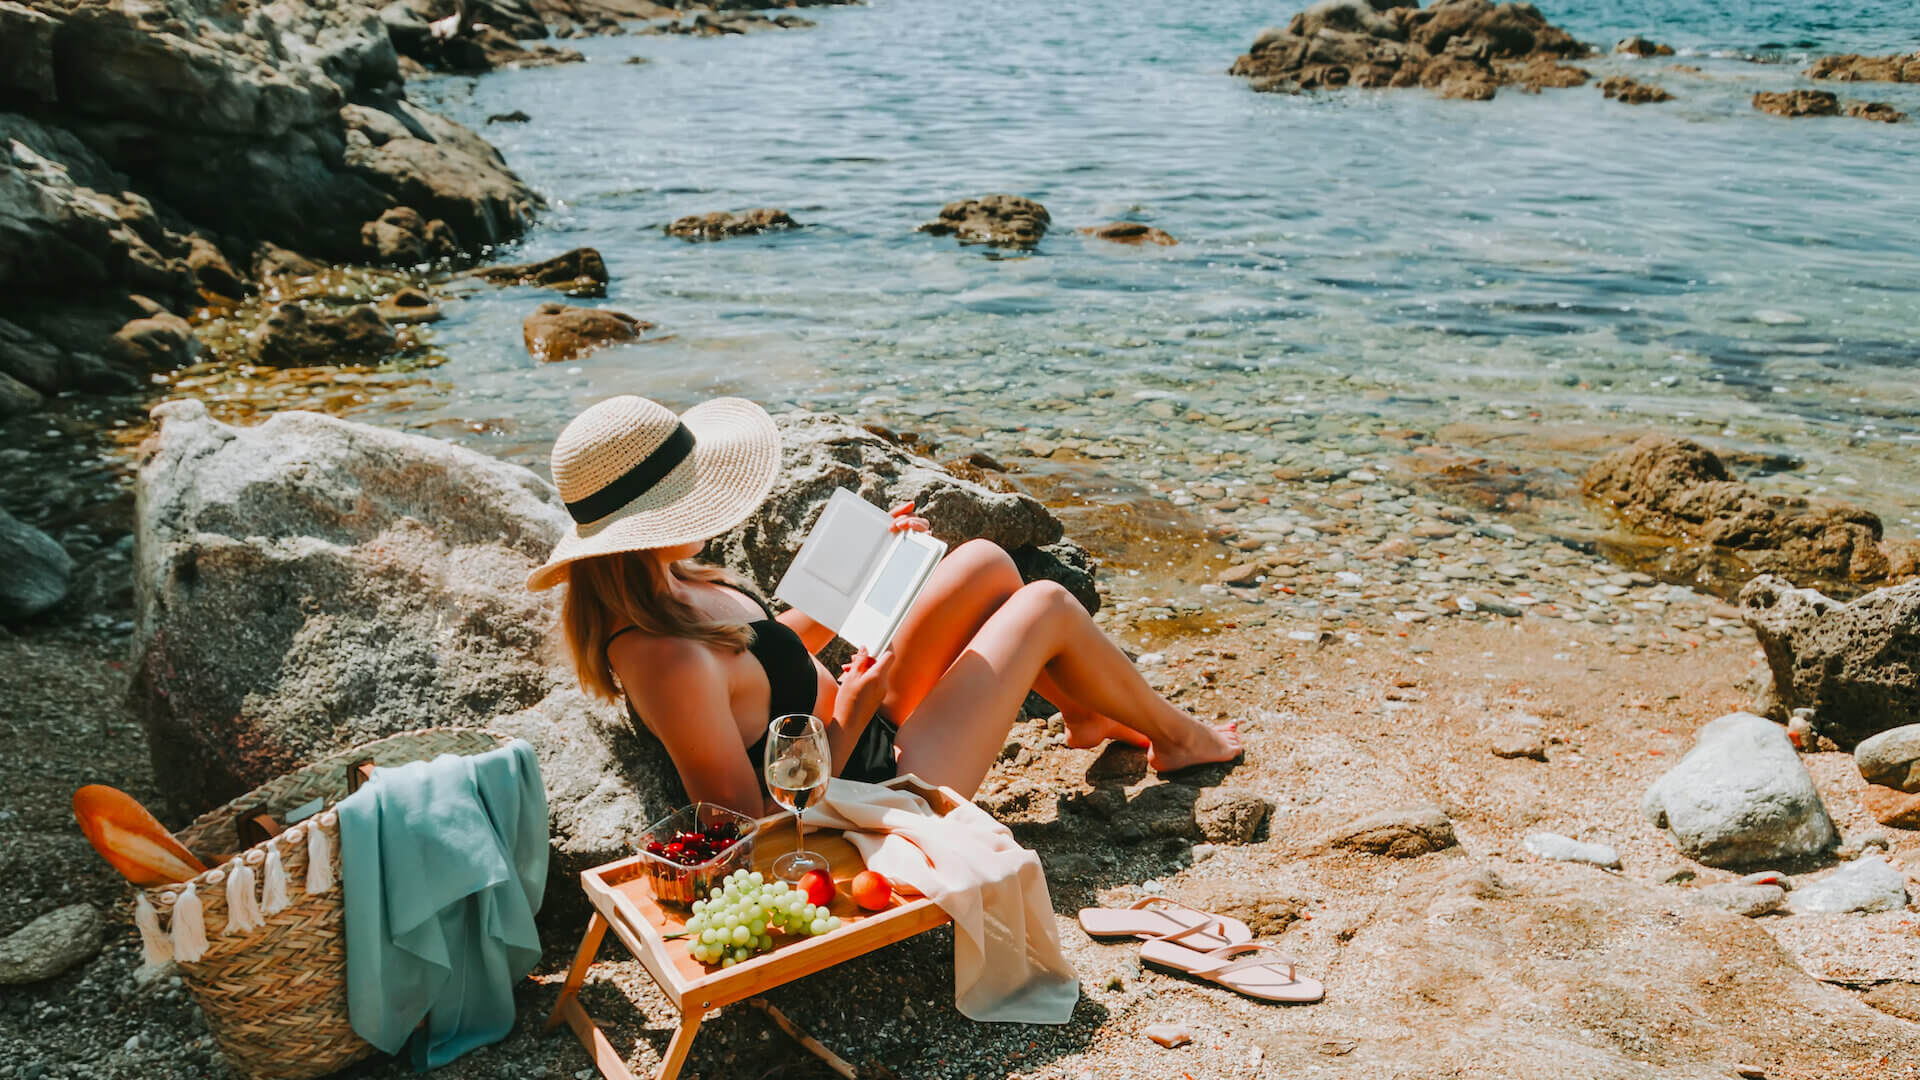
(1086, 730)
(1203, 745)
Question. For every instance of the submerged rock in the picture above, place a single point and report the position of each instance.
(1006, 220)
(1458, 48)
(1852, 67)
(557, 332)
(1797, 103)
(1741, 796)
(1642, 47)
(34, 570)
(1131, 232)
(1875, 110)
(721, 224)
(1629, 92)
(1676, 488)
(408, 307)
(1854, 665)
(296, 335)
(1403, 833)
(580, 272)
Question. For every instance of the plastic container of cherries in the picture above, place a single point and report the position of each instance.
(691, 850)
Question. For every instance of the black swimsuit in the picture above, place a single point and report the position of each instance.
(793, 685)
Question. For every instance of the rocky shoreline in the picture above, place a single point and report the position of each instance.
(1482, 699)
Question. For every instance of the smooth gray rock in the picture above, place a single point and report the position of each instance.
(1856, 665)
(34, 570)
(1401, 833)
(1865, 885)
(1230, 815)
(1891, 758)
(1566, 849)
(1741, 796)
(1734, 898)
(51, 944)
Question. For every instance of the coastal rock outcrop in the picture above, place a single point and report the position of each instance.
(297, 335)
(1797, 103)
(720, 224)
(1852, 67)
(556, 332)
(1741, 796)
(163, 141)
(402, 236)
(1855, 665)
(718, 25)
(1641, 47)
(1005, 220)
(1458, 48)
(308, 584)
(1678, 489)
(580, 272)
(1875, 110)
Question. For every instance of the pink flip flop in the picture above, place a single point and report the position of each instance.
(1237, 967)
(1160, 917)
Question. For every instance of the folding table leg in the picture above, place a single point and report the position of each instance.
(582, 960)
(682, 1042)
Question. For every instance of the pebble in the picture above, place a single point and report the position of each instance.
(1169, 1035)
(1866, 885)
(1566, 849)
(1519, 744)
(1750, 901)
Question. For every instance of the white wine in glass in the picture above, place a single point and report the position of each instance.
(799, 764)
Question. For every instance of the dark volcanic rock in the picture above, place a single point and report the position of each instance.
(561, 332)
(1005, 220)
(580, 272)
(1852, 67)
(1875, 110)
(34, 570)
(1631, 92)
(1797, 103)
(1640, 46)
(1457, 48)
(299, 336)
(1678, 489)
(1131, 232)
(489, 37)
(212, 272)
(1856, 665)
(721, 224)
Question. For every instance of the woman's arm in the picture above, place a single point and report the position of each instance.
(813, 635)
(681, 686)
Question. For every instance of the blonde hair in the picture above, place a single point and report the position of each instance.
(611, 592)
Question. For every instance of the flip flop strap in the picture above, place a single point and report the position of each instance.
(1226, 953)
(1208, 924)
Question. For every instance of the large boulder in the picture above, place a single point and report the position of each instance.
(1678, 489)
(297, 335)
(821, 452)
(1741, 796)
(310, 584)
(580, 272)
(1855, 665)
(51, 944)
(34, 570)
(556, 332)
(1457, 48)
(1891, 758)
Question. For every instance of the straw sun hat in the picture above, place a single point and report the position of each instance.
(633, 475)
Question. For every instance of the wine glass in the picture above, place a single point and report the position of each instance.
(799, 764)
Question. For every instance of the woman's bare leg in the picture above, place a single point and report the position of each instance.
(968, 586)
(960, 725)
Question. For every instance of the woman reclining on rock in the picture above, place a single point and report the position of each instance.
(705, 665)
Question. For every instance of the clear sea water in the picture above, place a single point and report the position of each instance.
(1503, 272)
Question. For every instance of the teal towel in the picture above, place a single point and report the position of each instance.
(443, 864)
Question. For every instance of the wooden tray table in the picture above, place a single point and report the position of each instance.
(623, 901)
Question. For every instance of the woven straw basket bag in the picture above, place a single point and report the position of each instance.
(259, 938)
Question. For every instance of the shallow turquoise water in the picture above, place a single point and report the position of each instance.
(1553, 259)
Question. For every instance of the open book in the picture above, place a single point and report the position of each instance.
(857, 576)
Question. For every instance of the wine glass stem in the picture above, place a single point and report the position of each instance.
(800, 833)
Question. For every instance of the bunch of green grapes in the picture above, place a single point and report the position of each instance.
(739, 919)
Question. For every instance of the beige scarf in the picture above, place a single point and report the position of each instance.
(1007, 963)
